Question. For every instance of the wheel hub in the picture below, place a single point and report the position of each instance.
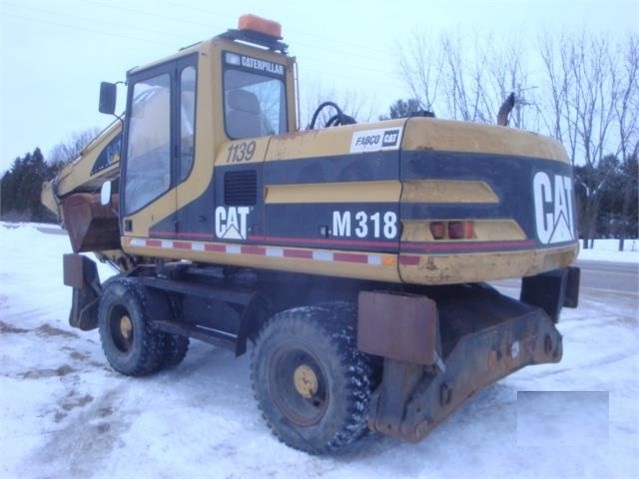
(126, 327)
(305, 381)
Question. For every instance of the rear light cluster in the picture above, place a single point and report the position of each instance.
(454, 230)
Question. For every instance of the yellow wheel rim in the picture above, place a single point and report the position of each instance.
(126, 327)
(305, 381)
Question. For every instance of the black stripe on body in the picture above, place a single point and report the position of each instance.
(376, 166)
(510, 177)
(311, 225)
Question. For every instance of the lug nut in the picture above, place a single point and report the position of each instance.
(514, 350)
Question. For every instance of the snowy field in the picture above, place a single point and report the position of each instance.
(608, 250)
(66, 414)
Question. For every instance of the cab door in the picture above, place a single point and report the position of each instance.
(158, 148)
(193, 219)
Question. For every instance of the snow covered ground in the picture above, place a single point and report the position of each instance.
(608, 250)
(65, 413)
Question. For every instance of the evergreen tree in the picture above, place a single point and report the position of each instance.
(20, 189)
(403, 109)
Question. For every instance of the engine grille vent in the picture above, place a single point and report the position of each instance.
(240, 188)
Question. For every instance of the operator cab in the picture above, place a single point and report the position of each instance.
(184, 110)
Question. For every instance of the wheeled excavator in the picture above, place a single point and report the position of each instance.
(353, 258)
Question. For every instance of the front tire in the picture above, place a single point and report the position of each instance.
(312, 384)
(175, 349)
(130, 344)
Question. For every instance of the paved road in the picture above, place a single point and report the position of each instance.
(601, 276)
(604, 275)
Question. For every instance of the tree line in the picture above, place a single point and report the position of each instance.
(20, 189)
(21, 185)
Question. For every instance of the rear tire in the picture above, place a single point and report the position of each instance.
(311, 383)
(130, 344)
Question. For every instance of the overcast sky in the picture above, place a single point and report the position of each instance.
(53, 54)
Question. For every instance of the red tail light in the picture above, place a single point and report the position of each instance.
(438, 230)
(454, 230)
(469, 229)
(461, 229)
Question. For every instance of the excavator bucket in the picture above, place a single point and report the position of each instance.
(91, 225)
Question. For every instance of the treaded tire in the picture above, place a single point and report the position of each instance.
(174, 350)
(130, 345)
(332, 412)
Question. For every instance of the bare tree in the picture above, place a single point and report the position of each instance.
(589, 111)
(69, 150)
(555, 53)
(348, 101)
(594, 71)
(555, 82)
(464, 77)
(627, 104)
(421, 65)
(627, 113)
(508, 74)
(457, 92)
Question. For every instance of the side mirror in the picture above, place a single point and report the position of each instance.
(105, 193)
(108, 96)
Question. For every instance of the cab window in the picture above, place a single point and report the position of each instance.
(187, 121)
(148, 167)
(254, 104)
